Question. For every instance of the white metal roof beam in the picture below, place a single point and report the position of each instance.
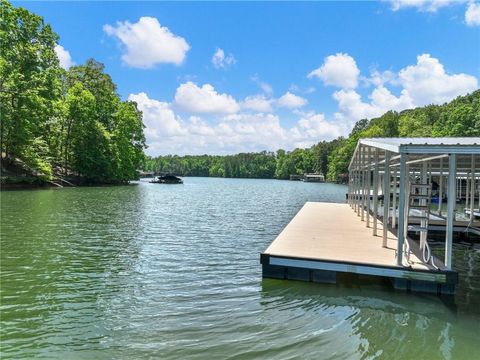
(380, 145)
(440, 149)
(429, 158)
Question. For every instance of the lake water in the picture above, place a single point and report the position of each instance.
(173, 272)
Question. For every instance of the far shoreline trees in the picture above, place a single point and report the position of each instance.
(460, 117)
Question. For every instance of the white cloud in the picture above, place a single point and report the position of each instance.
(64, 57)
(291, 101)
(422, 5)
(228, 134)
(380, 78)
(222, 125)
(351, 108)
(294, 87)
(421, 84)
(427, 82)
(257, 103)
(189, 97)
(266, 88)
(384, 100)
(147, 43)
(338, 70)
(472, 15)
(158, 117)
(199, 127)
(253, 131)
(167, 133)
(222, 61)
(298, 89)
(313, 127)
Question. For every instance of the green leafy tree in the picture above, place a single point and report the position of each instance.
(87, 140)
(129, 141)
(29, 85)
(102, 87)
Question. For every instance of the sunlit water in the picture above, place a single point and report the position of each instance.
(172, 272)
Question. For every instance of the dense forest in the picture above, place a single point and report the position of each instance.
(60, 125)
(460, 117)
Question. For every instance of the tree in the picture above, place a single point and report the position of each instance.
(129, 141)
(321, 152)
(72, 120)
(463, 119)
(86, 140)
(101, 86)
(29, 85)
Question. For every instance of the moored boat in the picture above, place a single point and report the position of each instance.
(167, 179)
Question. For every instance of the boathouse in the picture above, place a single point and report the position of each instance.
(314, 178)
(400, 190)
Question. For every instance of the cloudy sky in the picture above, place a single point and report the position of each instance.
(222, 78)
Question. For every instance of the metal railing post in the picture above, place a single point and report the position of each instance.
(472, 190)
(368, 173)
(440, 190)
(363, 174)
(452, 168)
(401, 209)
(386, 197)
(394, 205)
(375, 193)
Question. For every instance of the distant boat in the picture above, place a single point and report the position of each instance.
(167, 179)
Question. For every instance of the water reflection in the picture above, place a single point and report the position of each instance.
(373, 321)
(63, 256)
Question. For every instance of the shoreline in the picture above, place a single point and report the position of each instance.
(49, 186)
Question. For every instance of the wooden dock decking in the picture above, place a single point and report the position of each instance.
(326, 238)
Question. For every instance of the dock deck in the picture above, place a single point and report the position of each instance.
(326, 238)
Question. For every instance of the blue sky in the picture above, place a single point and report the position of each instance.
(284, 75)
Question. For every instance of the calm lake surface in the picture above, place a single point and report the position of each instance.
(173, 272)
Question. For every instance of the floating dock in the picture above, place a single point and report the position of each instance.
(324, 239)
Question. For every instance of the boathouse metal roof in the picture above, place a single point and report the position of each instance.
(458, 145)
(420, 147)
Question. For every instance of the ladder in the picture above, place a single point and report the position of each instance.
(419, 198)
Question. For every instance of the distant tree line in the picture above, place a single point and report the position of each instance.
(265, 165)
(71, 123)
(460, 117)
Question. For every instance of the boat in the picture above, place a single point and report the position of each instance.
(167, 179)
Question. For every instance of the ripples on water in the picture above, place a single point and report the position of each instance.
(172, 272)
